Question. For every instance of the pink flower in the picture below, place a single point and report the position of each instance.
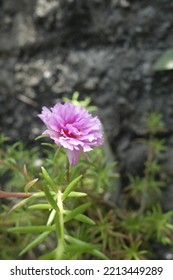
(73, 128)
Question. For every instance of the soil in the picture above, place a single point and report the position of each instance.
(105, 49)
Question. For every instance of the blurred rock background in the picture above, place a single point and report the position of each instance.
(105, 49)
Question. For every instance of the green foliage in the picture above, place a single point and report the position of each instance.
(85, 103)
(154, 122)
(72, 207)
(159, 225)
(43, 202)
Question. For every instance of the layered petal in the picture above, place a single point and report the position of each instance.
(73, 128)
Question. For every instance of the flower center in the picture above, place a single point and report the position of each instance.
(70, 131)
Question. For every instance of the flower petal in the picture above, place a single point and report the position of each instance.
(73, 128)
(73, 156)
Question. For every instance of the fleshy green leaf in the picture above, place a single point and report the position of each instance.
(82, 247)
(78, 210)
(41, 136)
(77, 194)
(40, 206)
(48, 145)
(51, 198)
(49, 256)
(82, 218)
(30, 184)
(170, 226)
(51, 217)
(23, 202)
(48, 179)
(41, 237)
(35, 242)
(70, 187)
(99, 255)
(31, 229)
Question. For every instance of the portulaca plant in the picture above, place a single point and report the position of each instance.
(61, 196)
(74, 129)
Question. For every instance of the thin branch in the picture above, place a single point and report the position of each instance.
(15, 194)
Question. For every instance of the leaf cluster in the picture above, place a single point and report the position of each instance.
(95, 227)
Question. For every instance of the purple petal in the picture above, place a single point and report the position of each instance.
(73, 156)
(73, 128)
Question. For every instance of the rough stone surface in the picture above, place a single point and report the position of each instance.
(104, 49)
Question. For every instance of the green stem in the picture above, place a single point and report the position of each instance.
(60, 227)
(68, 171)
(147, 175)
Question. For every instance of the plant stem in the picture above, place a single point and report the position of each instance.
(147, 174)
(15, 194)
(67, 171)
(60, 227)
